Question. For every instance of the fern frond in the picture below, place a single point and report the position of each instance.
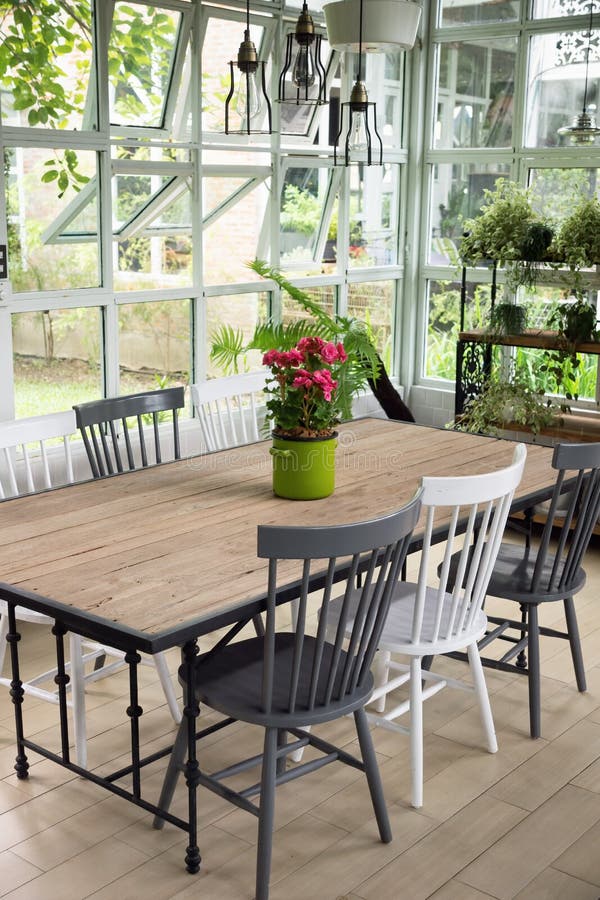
(227, 345)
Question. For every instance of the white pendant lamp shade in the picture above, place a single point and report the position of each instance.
(388, 25)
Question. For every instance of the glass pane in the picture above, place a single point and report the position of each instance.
(242, 312)
(555, 190)
(132, 194)
(57, 359)
(154, 346)
(303, 196)
(474, 12)
(475, 94)
(385, 81)
(549, 9)
(456, 194)
(374, 206)
(374, 303)
(325, 296)
(444, 323)
(46, 59)
(556, 85)
(221, 44)
(140, 60)
(231, 241)
(37, 262)
(161, 261)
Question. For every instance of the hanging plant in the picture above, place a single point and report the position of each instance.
(509, 232)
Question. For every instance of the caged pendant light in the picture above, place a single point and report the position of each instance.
(357, 111)
(583, 128)
(250, 94)
(303, 60)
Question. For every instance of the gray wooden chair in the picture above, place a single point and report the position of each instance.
(100, 421)
(286, 680)
(551, 571)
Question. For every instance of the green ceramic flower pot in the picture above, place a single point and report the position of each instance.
(303, 468)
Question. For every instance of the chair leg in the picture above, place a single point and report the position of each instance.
(381, 671)
(172, 773)
(78, 698)
(481, 692)
(416, 731)
(373, 777)
(533, 647)
(266, 816)
(167, 685)
(3, 633)
(575, 643)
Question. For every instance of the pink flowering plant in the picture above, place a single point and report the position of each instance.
(303, 391)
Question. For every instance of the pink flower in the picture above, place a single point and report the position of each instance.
(329, 352)
(270, 357)
(310, 345)
(342, 355)
(302, 380)
(322, 378)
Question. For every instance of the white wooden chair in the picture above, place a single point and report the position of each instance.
(26, 466)
(228, 409)
(427, 619)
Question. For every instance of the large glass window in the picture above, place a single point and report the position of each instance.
(475, 94)
(57, 356)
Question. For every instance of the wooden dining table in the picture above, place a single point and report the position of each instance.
(156, 558)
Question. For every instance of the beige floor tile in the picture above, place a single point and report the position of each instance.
(85, 873)
(582, 859)
(518, 857)
(554, 766)
(14, 872)
(554, 885)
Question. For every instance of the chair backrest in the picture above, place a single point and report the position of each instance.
(483, 501)
(378, 547)
(228, 409)
(97, 423)
(24, 468)
(571, 525)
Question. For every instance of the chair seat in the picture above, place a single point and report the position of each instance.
(399, 622)
(513, 571)
(231, 682)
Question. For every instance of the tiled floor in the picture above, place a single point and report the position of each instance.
(524, 823)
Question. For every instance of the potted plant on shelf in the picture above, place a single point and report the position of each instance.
(509, 405)
(305, 401)
(509, 232)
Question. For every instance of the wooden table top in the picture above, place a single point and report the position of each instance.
(160, 551)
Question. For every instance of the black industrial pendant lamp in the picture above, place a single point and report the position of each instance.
(306, 86)
(583, 128)
(248, 98)
(357, 112)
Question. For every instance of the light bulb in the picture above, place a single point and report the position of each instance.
(303, 73)
(358, 140)
(247, 100)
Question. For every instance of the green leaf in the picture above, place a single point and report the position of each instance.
(50, 175)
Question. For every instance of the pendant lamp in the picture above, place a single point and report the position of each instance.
(361, 119)
(583, 128)
(248, 96)
(303, 61)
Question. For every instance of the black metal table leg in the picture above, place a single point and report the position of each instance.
(191, 712)
(61, 679)
(134, 711)
(16, 692)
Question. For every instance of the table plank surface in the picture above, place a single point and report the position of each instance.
(158, 548)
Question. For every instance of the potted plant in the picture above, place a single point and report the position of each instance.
(365, 366)
(577, 244)
(506, 405)
(305, 401)
(507, 318)
(509, 232)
